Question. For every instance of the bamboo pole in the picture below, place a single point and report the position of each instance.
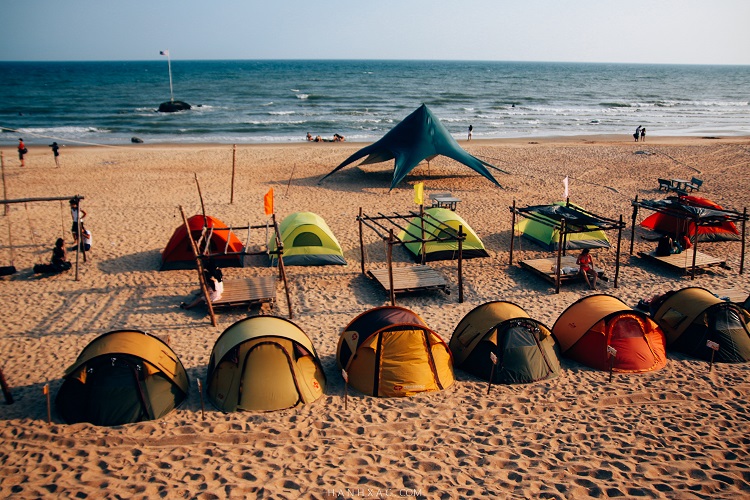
(619, 241)
(633, 217)
(5, 189)
(512, 231)
(199, 265)
(389, 254)
(742, 251)
(234, 163)
(461, 236)
(559, 256)
(361, 242)
(282, 269)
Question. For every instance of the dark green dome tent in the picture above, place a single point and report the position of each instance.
(418, 137)
(122, 377)
(525, 349)
(693, 316)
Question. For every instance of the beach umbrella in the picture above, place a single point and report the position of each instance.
(418, 137)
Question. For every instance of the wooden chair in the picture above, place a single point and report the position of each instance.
(694, 184)
(665, 185)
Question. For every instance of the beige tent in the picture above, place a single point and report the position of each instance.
(263, 363)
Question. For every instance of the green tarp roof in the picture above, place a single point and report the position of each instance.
(418, 137)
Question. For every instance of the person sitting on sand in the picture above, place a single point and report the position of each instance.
(338, 138)
(215, 284)
(309, 137)
(59, 259)
(586, 266)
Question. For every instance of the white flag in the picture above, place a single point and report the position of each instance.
(164, 52)
(565, 183)
(493, 358)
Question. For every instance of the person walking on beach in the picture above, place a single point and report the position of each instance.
(22, 151)
(56, 153)
(643, 134)
(637, 133)
(471, 129)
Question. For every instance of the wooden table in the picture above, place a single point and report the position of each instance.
(444, 200)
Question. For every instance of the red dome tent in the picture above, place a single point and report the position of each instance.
(178, 253)
(587, 328)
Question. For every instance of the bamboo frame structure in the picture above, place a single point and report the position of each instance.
(384, 225)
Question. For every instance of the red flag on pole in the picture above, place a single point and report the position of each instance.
(268, 202)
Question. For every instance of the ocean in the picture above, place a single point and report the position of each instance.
(280, 101)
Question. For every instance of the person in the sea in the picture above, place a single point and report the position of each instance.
(56, 152)
(586, 266)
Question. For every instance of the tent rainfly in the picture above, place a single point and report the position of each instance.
(225, 248)
(122, 377)
(439, 241)
(307, 241)
(263, 363)
(389, 351)
(524, 348)
(693, 316)
(588, 328)
(542, 226)
(417, 137)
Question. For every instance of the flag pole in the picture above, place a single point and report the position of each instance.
(169, 67)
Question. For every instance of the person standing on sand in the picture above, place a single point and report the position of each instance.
(471, 129)
(643, 134)
(22, 151)
(76, 213)
(637, 133)
(56, 153)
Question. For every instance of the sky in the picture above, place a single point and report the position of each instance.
(655, 31)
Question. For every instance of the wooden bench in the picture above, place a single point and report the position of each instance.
(665, 185)
(410, 279)
(247, 292)
(683, 261)
(545, 268)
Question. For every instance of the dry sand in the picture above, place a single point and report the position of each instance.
(677, 433)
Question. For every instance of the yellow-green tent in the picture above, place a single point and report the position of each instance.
(440, 230)
(122, 377)
(542, 226)
(307, 241)
(389, 351)
(263, 363)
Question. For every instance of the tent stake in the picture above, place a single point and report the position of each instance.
(200, 393)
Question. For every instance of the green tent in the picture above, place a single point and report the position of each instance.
(441, 227)
(307, 241)
(524, 348)
(263, 363)
(418, 137)
(122, 377)
(542, 226)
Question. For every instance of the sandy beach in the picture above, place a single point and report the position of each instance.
(680, 432)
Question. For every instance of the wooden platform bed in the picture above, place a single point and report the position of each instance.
(683, 261)
(248, 292)
(410, 279)
(545, 269)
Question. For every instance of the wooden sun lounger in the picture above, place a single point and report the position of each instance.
(247, 292)
(545, 269)
(683, 261)
(410, 279)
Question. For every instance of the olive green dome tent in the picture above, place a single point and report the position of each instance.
(122, 377)
(263, 363)
(307, 241)
(692, 316)
(440, 224)
(417, 137)
(524, 348)
(542, 227)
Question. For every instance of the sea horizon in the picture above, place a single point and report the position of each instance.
(280, 100)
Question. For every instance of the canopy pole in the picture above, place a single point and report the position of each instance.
(633, 218)
(389, 253)
(424, 243)
(5, 189)
(361, 242)
(617, 261)
(200, 195)
(199, 265)
(695, 248)
(282, 269)
(559, 257)
(512, 231)
(461, 236)
(234, 164)
(742, 252)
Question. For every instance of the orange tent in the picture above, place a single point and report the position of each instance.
(587, 330)
(223, 245)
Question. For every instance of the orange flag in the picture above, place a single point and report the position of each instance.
(268, 202)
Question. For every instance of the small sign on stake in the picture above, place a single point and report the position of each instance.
(493, 358)
(714, 346)
(612, 352)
